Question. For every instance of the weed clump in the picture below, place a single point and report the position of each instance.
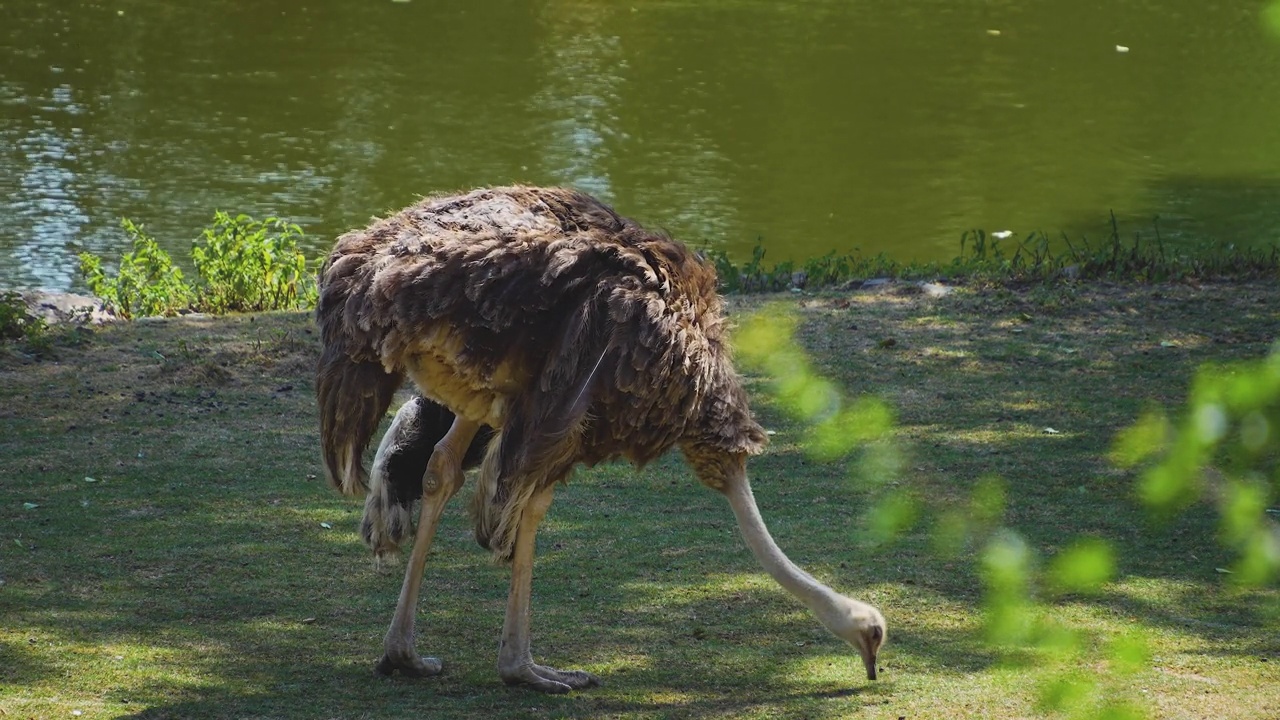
(25, 334)
(16, 320)
(250, 266)
(146, 283)
(244, 265)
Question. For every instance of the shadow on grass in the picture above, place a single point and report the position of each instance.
(223, 604)
(1237, 623)
(18, 664)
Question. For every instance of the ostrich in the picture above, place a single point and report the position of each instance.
(543, 330)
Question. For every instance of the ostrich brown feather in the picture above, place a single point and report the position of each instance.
(574, 334)
(496, 303)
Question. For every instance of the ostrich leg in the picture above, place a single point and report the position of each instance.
(515, 660)
(442, 480)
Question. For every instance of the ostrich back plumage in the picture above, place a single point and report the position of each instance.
(541, 312)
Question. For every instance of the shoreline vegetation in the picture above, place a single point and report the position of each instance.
(1002, 258)
(246, 265)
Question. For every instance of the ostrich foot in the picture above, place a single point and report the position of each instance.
(548, 679)
(409, 665)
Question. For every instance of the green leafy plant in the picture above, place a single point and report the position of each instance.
(827, 270)
(244, 265)
(31, 334)
(146, 283)
(250, 266)
(16, 321)
(726, 271)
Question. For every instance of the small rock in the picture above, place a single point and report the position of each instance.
(936, 290)
(61, 307)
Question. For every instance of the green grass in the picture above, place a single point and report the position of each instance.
(193, 578)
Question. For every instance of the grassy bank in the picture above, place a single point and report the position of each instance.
(1002, 258)
(168, 552)
(245, 265)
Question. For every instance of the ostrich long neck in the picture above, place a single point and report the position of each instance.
(808, 590)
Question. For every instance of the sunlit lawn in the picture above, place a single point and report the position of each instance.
(182, 560)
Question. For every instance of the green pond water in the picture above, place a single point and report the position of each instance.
(816, 125)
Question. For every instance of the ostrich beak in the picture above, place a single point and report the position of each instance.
(869, 660)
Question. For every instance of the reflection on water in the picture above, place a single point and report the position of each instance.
(50, 201)
(47, 200)
(584, 67)
(816, 125)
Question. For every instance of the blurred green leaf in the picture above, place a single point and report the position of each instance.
(1255, 431)
(1244, 506)
(1210, 423)
(1248, 387)
(1006, 567)
(880, 464)
(811, 397)
(1170, 484)
(1146, 437)
(891, 516)
(866, 420)
(1083, 567)
(1129, 653)
(986, 505)
(766, 342)
(1063, 692)
(949, 534)
(764, 334)
(1259, 560)
(1059, 641)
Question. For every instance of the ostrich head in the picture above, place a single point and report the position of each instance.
(857, 623)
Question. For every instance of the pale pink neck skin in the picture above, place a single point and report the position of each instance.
(853, 621)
